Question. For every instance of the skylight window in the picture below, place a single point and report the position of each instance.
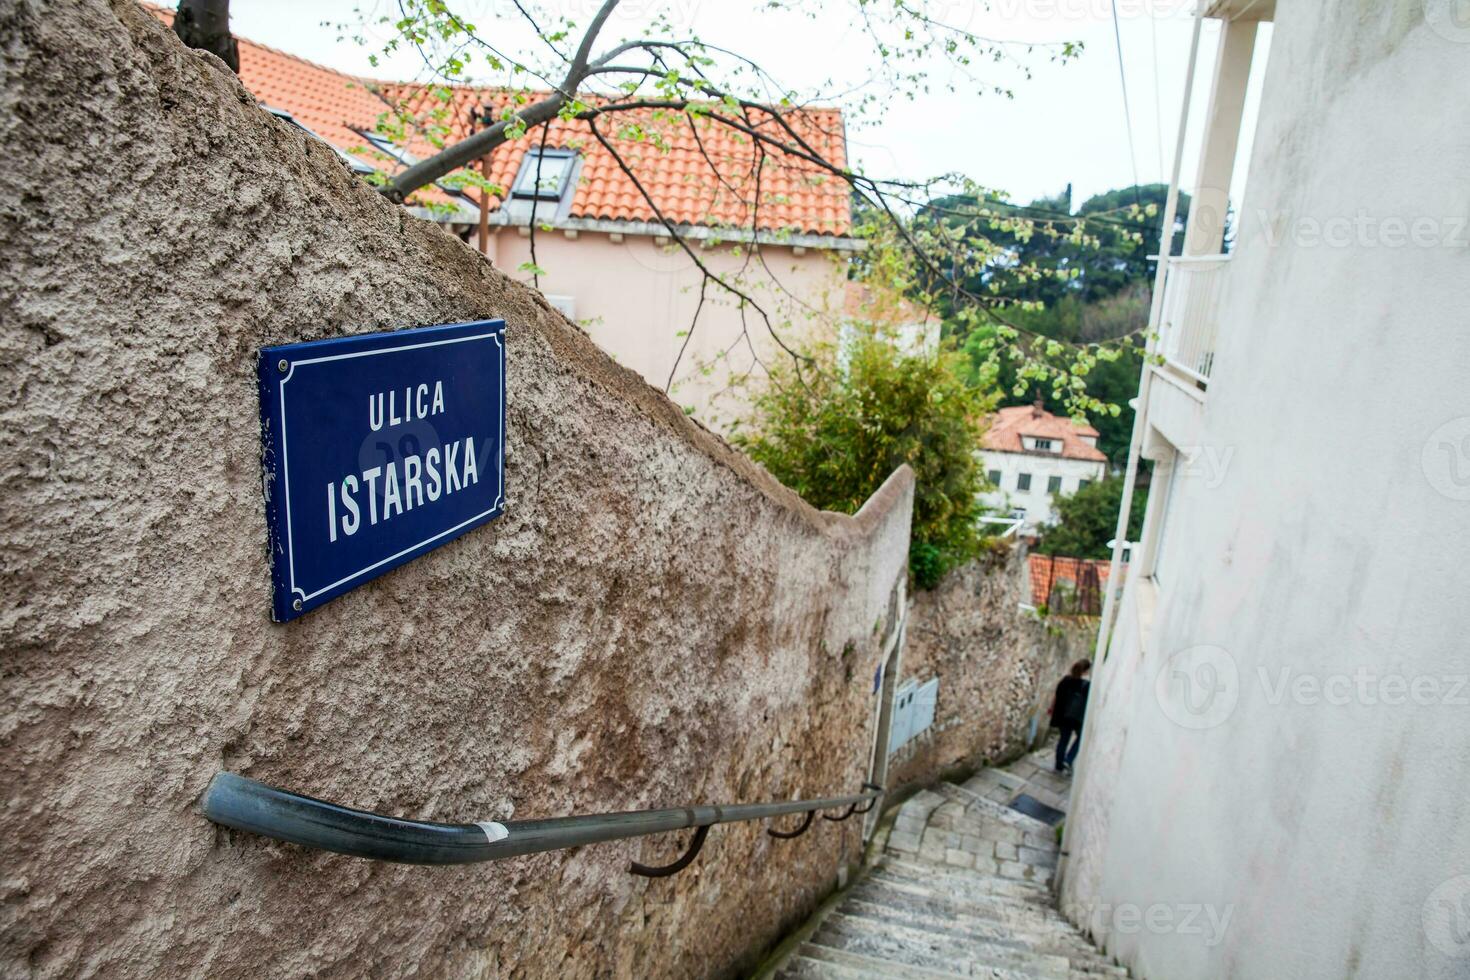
(386, 147)
(355, 164)
(549, 180)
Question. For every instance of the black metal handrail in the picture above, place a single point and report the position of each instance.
(245, 804)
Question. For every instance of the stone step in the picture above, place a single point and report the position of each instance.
(1032, 889)
(998, 858)
(1048, 936)
(1056, 941)
(997, 830)
(888, 969)
(961, 891)
(1025, 875)
(801, 967)
(996, 808)
(1004, 912)
(934, 949)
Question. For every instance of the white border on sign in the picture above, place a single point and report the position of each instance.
(286, 462)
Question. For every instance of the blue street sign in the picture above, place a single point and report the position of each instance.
(376, 449)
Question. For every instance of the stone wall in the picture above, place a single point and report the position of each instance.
(997, 667)
(654, 621)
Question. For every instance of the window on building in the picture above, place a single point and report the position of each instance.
(1023, 481)
(1165, 512)
(1053, 484)
(1083, 484)
(549, 180)
(1045, 445)
(994, 477)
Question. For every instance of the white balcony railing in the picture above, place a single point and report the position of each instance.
(1190, 319)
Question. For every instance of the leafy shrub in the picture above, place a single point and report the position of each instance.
(1087, 519)
(837, 430)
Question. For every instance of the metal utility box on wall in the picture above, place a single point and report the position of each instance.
(913, 711)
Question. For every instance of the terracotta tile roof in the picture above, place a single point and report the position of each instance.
(1008, 425)
(328, 102)
(793, 196)
(1048, 570)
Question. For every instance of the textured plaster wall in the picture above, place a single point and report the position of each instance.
(1280, 730)
(997, 667)
(654, 621)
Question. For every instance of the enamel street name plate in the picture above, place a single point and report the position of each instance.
(376, 449)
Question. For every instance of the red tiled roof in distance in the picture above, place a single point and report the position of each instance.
(1048, 569)
(1008, 425)
(794, 195)
(322, 99)
(787, 194)
(328, 102)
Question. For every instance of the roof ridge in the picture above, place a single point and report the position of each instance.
(167, 14)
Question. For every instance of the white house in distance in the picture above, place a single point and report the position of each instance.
(1032, 456)
(1272, 780)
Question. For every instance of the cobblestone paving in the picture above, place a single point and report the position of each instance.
(962, 890)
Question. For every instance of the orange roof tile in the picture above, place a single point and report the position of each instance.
(1047, 570)
(786, 193)
(1008, 425)
(330, 103)
(793, 195)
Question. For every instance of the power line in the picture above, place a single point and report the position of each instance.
(1153, 30)
(1127, 112)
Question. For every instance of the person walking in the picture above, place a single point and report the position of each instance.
(1068, 706)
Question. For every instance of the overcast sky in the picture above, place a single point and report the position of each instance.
(1066, 123)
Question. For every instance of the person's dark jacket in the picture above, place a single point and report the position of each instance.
(1070, 704)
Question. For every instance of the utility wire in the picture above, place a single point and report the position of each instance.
(1127, 112)
(1153, 30)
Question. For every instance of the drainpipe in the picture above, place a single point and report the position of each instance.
(1140, 409)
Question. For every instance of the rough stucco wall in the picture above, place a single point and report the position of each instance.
(996, 665)
(654, 621)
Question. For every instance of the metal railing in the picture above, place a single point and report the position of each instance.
(1189, 322)
(245, 804)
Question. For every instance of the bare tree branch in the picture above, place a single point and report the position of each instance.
(481, 143)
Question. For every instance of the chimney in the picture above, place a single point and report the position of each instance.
(1036, 409)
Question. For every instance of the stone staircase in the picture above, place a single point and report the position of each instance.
(960, 890)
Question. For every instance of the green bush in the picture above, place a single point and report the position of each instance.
(1087, 519)
(835, 431)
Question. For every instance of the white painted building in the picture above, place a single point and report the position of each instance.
(1273, 776)
(1032, 457)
